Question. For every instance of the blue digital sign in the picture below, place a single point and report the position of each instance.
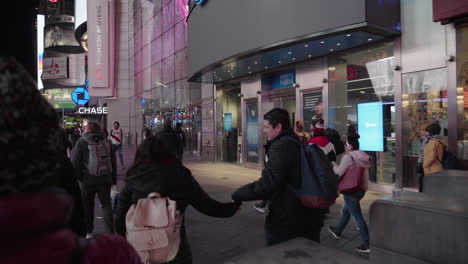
(371, 126)
(228, 122)
(284, 80)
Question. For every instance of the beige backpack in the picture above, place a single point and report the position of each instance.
(153, 228)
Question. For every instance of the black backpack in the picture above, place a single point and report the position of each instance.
(449, 160)
(319, 183)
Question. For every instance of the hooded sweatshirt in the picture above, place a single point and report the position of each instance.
(354, 158)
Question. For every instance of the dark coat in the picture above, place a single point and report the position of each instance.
(69, 183)
(287, 217)
(176, 182)
(170, 135)
(33, 228)
(80, 159)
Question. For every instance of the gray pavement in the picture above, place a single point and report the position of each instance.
(215, 240)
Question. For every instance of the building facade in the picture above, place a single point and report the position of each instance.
(385, 68)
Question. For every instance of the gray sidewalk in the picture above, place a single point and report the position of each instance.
(215, 240)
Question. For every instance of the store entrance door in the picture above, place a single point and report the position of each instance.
(282, 98)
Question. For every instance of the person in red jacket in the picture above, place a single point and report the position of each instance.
(34, 212)
(318, 138)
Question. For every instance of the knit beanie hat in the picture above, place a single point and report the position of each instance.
(29, 133)
(434, 129)
(319, 127)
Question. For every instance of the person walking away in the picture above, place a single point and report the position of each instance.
(318, 138)
(425, 136)
(334, 137)
(181, 133)
(433, 151)
(356, 162)
(171, 135)
(287, 218)
(156, 168)
(147, 133)
(116, 136)
(34, 211)
(95, 168)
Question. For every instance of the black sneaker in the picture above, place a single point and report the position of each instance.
(364, 248)
(260, 208)
(335, 234)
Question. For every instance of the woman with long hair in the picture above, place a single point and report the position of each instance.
(157, 169)
(355, 163)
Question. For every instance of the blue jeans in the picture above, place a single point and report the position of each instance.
(118, 149)
(352, 207)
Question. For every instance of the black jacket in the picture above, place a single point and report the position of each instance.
(170, 135)
(80, 159)
(177, 183)
(280, 175)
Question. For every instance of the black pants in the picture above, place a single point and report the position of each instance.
(313, 223)
(420, 170)
(89, 193)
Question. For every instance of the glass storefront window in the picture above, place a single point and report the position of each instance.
(424, 102)
(252, 131)
(462, 94)
(359, 78)
(228, 123)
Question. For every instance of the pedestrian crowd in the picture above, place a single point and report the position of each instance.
(47, 199)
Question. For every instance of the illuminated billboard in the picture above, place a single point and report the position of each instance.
(371, 126)
(60, 98)
(40, 48)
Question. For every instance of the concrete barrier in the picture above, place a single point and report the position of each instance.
(447, 184)
(298, 251)
(419, 228)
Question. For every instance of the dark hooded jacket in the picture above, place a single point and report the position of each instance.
(80, 159)
(170, 179)
(287, 216)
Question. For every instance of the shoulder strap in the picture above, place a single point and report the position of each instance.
(77, 253)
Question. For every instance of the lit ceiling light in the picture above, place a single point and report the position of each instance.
(331, 49)
(362, 92)
(248, 68)
(369, 39)
(279, 61)
(256, 62)
(250, 72)
(349, 35)
(266, 67)
(338, 44)
(306, 45)
(310, 56)
(321, 42)
(289, 53)
(293, 58)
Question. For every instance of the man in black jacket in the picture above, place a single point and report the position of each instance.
(93, 184)
(287, 217)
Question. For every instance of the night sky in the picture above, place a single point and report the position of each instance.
(18, 34)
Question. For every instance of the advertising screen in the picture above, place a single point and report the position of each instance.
(60, 98)
(228, 122)
(40, 48)
(371, 126)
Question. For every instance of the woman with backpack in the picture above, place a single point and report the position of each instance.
(157, 169)
(353, 171)
(34, 211)
(433, 151)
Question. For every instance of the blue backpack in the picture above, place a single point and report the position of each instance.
(319, 183)
(449, 160)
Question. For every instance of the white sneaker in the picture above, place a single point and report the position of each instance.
(89, 235)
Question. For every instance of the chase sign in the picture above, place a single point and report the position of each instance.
(80, 96)
(199, 2)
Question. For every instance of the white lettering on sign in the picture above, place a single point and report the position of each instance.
(93, 110)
